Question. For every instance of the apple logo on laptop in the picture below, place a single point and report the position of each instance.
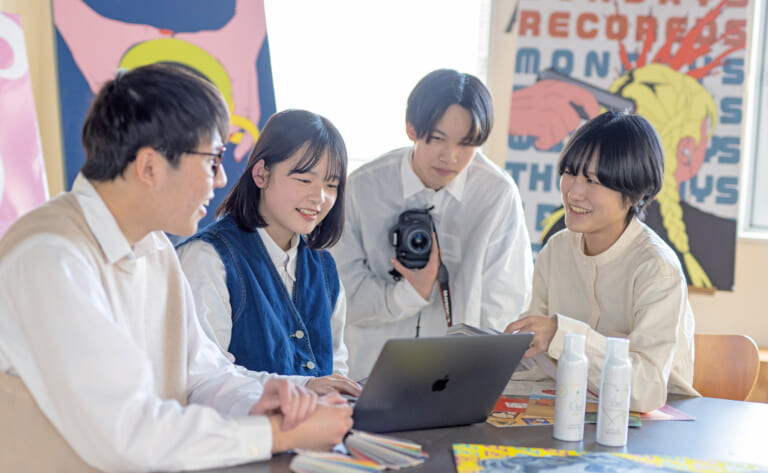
(440, 384)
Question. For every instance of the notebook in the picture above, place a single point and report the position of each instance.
(420, 383)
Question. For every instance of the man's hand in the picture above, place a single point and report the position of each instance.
(294, 402)
(543, 328)
(546, 110)
(334, 383)
(423, 280)
(323, 429)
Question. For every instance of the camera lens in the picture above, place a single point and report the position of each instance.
(419, 241)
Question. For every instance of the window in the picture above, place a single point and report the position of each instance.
(754, 176)
(356, 62)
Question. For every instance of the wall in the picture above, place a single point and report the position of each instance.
(744, 310)
(741, 311)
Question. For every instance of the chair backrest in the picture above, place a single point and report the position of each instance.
(725, 366)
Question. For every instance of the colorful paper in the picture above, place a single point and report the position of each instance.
(474, 458)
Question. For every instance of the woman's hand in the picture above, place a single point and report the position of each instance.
(334, 383)
(543, 328)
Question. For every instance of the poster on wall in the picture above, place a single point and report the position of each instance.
(22, 170)
(679, 64)
(224, 40)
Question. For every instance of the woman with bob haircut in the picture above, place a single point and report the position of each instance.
(261, 275)
(607, 274)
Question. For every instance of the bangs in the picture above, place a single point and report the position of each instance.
(630, 158)
(614, 172)
(577, 156)
(478, 132)
(326, 138)
(628, 150)
(439, 90)
(481, 109)
(337, 157)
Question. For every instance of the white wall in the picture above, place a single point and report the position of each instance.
(744, 310)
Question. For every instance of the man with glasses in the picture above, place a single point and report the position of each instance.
(103, 362)
(215, 158)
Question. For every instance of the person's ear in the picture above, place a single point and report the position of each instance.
(148, 166)
(411, 132)
(260, 174)
(628, 203)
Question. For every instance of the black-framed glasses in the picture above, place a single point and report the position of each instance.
(217, 157)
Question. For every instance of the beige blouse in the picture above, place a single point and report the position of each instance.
(636, 289)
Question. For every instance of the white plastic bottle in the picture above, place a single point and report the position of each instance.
(615, 389)
(571, 399)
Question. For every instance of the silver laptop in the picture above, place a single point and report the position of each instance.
(420, 383)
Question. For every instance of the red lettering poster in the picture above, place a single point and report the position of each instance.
(682, 65)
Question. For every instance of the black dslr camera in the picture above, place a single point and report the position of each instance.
(412, 238)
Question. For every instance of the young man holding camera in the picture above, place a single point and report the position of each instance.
(481, 254)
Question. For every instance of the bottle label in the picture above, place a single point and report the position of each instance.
(613, 415)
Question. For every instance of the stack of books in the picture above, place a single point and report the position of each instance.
(466, 329)
(367, 453)
(544, 363)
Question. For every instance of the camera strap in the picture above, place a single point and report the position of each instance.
(443, 282)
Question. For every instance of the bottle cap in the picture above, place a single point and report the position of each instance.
(618, 348)
(574, 343)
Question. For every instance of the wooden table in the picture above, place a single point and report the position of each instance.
(723, 430)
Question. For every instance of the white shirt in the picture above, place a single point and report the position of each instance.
(636, 289)
(483, 239)
(88, 356)
(208, 278)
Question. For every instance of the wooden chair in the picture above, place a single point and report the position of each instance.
(725, 366)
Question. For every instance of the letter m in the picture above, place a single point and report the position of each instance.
(527, 61)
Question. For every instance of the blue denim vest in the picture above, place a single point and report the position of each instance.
(272, 330)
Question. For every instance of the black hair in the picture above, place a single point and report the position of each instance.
(442, 88)
(283, 135)
(630, 157)
(161, 106)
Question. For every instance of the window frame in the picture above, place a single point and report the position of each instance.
(754, 173)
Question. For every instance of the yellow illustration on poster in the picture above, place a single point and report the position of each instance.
(224, 41)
